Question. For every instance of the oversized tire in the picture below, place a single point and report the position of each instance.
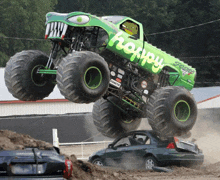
(171, 111)
(83, 77)
(22, 79)
(110, 120)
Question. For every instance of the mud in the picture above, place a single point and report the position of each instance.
(10, 140)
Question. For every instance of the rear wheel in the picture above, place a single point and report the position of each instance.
(83, 77)
(22, 78)
(150, 162)
(110, 120)
(172, 111)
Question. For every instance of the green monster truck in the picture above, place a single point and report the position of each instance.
(108, 61)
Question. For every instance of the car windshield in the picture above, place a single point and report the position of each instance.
(123, 141)
(113, 19)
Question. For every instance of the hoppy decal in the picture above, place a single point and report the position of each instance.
(145, 59)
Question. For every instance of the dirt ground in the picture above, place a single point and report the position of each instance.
(83, 170)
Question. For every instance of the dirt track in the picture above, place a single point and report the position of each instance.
(206, 171)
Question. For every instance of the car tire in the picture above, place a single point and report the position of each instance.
(150, 162)
(83, 77)
(98, 162)
(22, 79)
(109, 119)
(171, 111)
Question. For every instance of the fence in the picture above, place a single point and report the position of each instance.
(82, 150)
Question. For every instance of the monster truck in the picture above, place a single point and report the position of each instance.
(107, 60)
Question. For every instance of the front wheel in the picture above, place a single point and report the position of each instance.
(150, 162)
(98, 162)
(83, 77)
(172, 111)
(22, 78)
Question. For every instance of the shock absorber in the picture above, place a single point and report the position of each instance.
(53, 54)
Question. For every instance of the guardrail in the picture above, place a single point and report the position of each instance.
(82, 145)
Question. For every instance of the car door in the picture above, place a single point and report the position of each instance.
(128, 42)
(130, 155)
(140, 144)
(115, 153)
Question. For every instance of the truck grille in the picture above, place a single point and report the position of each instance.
(55, 30)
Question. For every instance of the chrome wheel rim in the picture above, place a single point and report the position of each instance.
(149, 164)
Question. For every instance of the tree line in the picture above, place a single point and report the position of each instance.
(187, 29)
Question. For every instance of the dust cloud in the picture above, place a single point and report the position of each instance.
(206, 131)
(128, 161)
(89, 126)
(207, 134)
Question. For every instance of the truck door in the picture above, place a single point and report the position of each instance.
(128, 42)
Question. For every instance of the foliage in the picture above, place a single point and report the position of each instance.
(23, 19)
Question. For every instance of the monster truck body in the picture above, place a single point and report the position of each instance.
(136, 50)
(108, 61)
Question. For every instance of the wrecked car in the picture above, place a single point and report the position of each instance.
(144, 149)
(34, 162)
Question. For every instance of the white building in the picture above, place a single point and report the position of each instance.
(53, 104)
(56, 104)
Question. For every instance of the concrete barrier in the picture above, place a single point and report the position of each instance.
(71, 127)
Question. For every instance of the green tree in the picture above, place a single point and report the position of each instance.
(23, 19)
(192, 41)
(152, 13)
(66, 6)
(198, 41)
(213, 42)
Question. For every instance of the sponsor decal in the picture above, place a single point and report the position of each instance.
(147, 60)
(119, 76)
(115, 83)
(121, 71)
(185, 70)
